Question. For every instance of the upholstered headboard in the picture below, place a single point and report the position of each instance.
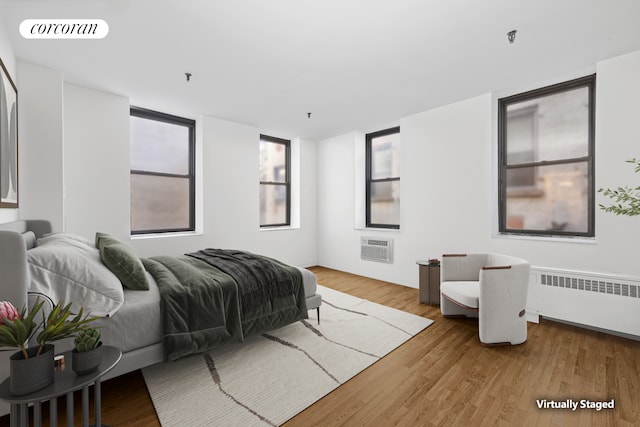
(15, 239)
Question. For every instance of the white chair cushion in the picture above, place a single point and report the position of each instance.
(464, 292)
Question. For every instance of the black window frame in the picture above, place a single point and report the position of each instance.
(190, 124)
(369, 180)
(586, 81)
(286, 184)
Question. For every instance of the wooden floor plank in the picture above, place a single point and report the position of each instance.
(445, 376)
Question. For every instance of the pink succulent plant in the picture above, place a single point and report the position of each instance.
(8, 311)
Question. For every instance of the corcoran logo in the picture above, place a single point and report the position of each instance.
(64, 29)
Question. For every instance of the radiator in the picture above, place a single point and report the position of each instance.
(376, 249)
(601, 301)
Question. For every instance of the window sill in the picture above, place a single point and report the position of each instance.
(377, 229)
(558, 239)
(163, 235)
(284, 227)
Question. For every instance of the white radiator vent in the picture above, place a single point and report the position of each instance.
(584, 283)
(606, 302)
(376, 249)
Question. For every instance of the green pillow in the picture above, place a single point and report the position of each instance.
(122, 262)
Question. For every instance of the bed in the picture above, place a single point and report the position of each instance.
(28, 249)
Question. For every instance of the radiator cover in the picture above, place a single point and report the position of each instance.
(602, 301)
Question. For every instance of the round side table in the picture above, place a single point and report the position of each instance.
(65, 383)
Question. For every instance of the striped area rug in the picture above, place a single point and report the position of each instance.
(268, 379)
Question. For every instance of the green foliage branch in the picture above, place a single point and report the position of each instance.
(626, 200)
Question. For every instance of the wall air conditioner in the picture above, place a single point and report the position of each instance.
(376, 249)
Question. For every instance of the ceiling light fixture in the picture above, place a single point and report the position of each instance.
(188, 76)
(511, 36)
(308, 115)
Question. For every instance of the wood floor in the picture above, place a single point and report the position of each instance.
(445, 377)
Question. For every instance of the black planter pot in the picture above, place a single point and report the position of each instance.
(32, 374)
(86, 362)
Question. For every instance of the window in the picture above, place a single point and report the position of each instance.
(546, 155)
(162, 172)
(382, 153)
(275, 182)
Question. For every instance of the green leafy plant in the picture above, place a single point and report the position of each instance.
(16, 331)
(87, 339)
(626, 199)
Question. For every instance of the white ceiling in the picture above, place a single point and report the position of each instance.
(354, 64)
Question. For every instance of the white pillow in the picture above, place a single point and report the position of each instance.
(67, 239)
(69, 269)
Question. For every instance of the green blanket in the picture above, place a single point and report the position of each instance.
(202, 306)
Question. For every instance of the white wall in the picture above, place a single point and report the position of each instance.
(618, 139)
(445, 175)
(40, 142)
(96, 179)
(449, 198)
(96, 162)
(335, 203)
(74, 171)
(448, 188)
(6, 51)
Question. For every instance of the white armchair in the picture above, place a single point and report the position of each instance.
(492, 288)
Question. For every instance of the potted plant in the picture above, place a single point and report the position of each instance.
(31, 367)
(87, 354)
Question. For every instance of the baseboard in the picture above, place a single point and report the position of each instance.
(594, 328)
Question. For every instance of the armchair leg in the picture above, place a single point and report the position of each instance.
(318, 310)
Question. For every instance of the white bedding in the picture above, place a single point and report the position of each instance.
(68, 267)
(138, 323)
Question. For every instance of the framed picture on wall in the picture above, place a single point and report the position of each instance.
(8, 140)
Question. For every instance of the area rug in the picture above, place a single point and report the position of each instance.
(268, 379)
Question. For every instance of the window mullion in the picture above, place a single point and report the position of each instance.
(548, 163)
